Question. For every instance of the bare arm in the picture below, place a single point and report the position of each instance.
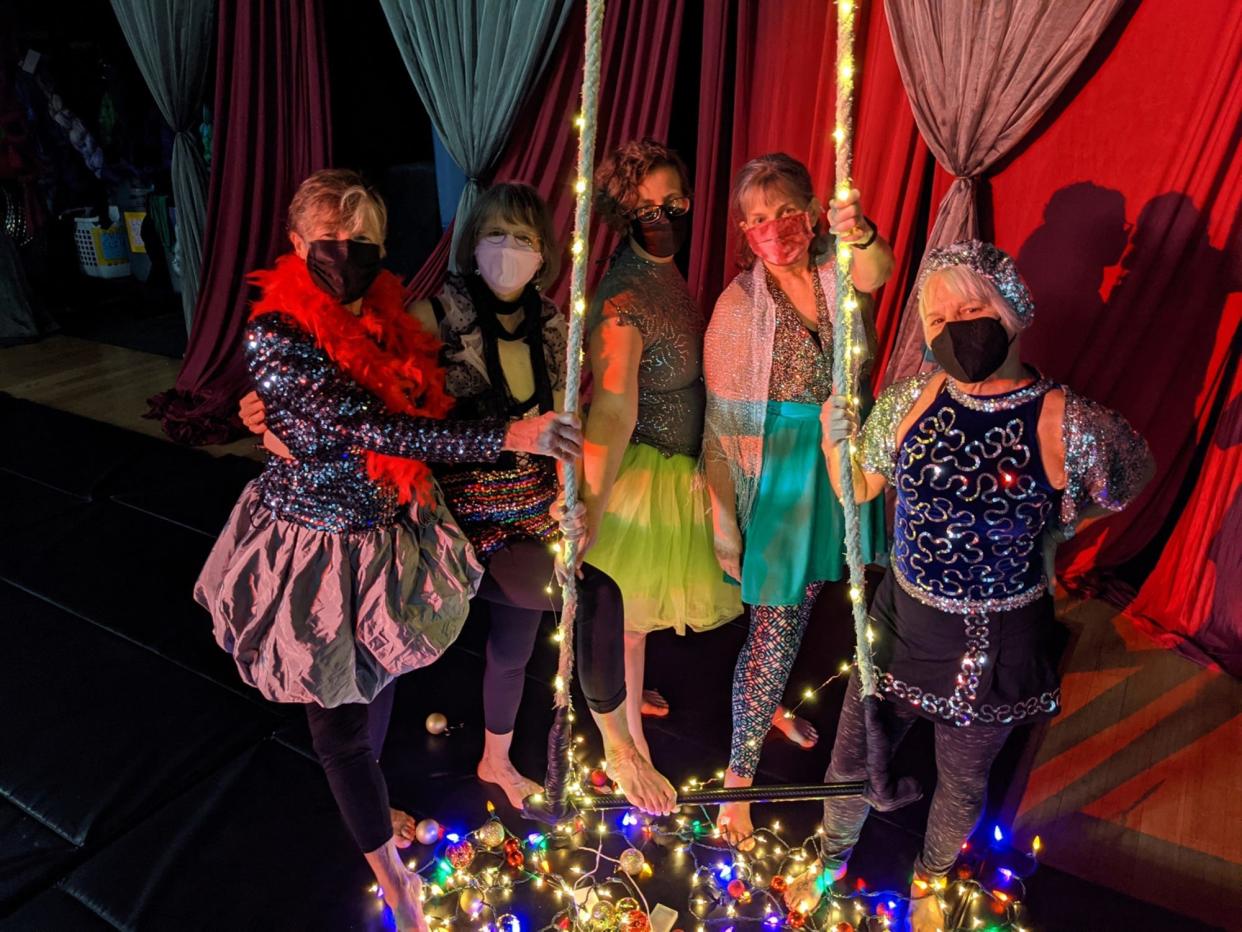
(614, 353)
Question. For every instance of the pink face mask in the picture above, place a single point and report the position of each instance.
(781, 241)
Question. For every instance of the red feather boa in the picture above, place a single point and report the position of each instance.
(384, 350)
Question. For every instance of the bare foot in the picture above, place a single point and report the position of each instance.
(515, 786)
(798, 730)
(926, 913)
(805, 891)
(641, 783)
(408, 908)
(654, 705)
(735, 826)
(403, 825)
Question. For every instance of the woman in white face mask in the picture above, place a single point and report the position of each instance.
(504, 358)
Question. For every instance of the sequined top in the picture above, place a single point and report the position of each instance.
(1106, 460)
(801, 360)
(972, 501)
(328, 422)
(510, 499)
(654, 298)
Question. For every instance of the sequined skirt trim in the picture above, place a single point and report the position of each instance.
(967, 606)
(330, 618)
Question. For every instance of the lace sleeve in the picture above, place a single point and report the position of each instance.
(1107, 462)
(877, 442)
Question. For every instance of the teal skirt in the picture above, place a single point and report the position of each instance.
(797, 529)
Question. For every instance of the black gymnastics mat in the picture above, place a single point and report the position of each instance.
(142, 787)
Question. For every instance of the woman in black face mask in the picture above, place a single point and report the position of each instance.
(340, 568)
(988, 459)
(648, 522)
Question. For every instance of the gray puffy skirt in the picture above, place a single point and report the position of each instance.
(324, 618)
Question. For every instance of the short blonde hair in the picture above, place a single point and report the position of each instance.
(341, 199)
(966, 283)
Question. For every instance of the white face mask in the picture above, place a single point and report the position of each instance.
(506, 268)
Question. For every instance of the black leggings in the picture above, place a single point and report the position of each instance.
(348, 739)
(515, 588)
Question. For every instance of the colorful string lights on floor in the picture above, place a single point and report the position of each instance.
(590, 873)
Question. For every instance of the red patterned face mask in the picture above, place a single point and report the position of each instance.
(783, 240)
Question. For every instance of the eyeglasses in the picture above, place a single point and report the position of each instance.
(651, 213)
(520, 240)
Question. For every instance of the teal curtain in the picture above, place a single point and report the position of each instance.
(171, 41)
(473, 62)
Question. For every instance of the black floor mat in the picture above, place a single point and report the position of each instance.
(143, 787)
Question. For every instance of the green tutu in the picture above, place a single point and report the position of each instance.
(655, 541)
(796, 534)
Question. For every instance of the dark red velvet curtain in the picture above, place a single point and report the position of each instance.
(272, 129)
(1122, 209)
(640, 48)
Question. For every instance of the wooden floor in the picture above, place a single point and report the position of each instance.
(1137, 784)
(96, 380)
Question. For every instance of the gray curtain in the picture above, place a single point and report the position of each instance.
(980, 74)
(472, 63)
(171, 41)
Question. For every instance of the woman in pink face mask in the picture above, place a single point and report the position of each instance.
(767, 363)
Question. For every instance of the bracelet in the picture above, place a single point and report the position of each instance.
(870, 239)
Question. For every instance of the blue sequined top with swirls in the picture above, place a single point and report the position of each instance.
(328, 422)
(970, 512)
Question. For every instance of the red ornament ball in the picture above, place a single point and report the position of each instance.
(563, 922)
(461, 855)
(843, 927)
(516, 859)
(636, 920)
(737, 889)
(796, 919)
(599, 778)
(511, 845)
(778, 883)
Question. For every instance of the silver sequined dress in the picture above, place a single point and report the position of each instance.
(322, 586)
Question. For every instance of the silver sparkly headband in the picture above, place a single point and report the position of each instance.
(990, 262)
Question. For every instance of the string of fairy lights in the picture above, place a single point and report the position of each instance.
(589, 873)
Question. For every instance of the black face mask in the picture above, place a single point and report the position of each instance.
(343, 268)
(662, 238)
(971, 350)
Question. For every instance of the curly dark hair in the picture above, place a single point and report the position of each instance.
(623, 170)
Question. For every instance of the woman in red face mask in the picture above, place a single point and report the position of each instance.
(767, 363)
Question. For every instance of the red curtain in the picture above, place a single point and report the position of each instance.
(272, 129)
(640, 47)
(1123, 214)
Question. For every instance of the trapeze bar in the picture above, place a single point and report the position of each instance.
(794, 792)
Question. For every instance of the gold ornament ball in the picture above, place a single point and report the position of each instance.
(437, 724)
(427, 832)
(632, 861)
(470, 901)
(492, 834)
(627, 904)
(603, 913)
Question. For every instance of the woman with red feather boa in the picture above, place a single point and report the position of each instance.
(340, 567)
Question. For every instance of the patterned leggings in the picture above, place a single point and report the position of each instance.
(964, 755)
(761, 674)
